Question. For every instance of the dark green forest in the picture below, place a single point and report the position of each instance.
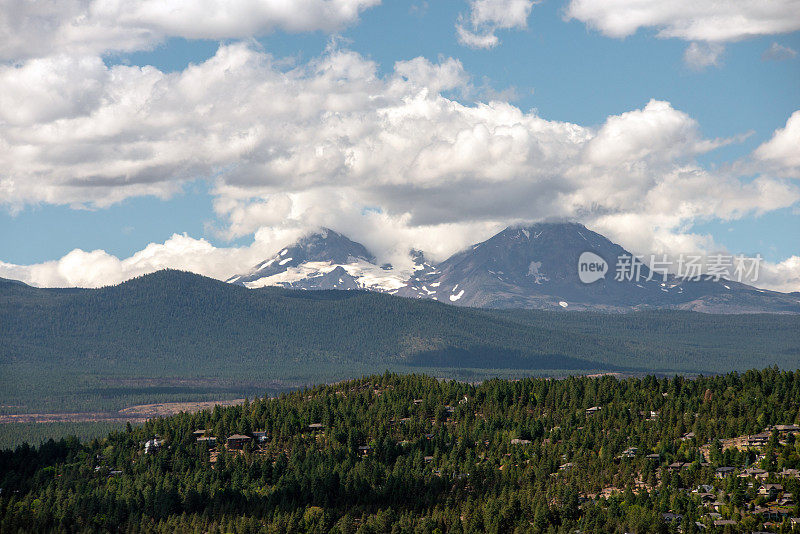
(392, 453)
(174, 336)
(13, 434)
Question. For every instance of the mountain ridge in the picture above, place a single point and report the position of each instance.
(524, 266)
(103, 348)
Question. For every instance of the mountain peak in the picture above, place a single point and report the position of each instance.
(314, 255)
(329, 245)
(538, 228)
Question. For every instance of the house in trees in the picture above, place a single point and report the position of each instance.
(238, 441)
(758, 440)
(789, 473)
(755, 473)
(726, 471)
(770, 490)
(151, 446)
(670, 517)
(677, 466)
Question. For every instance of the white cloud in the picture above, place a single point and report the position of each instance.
(435, 78)
(487, 16)
(777, 52)
(246, 217)
(44, 90)
(500, 13)
(707, 23)
(781, 154)
(98, 268)
(31, 29)
(702, 55)
(691, 20)
(782, 276)
(476, 40)
(657, 133)
(388, 160)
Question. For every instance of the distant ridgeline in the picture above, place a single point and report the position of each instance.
(175, 336)
(392, 453)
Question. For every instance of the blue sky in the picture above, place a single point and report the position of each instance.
(563, 71)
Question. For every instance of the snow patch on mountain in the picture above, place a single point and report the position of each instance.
(457, 296)
(368, 275)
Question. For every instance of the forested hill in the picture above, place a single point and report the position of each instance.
(397, 454)
(176, 324)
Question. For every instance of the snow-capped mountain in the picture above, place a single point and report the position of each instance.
(323, 260)
(534, 266)
(537, 267)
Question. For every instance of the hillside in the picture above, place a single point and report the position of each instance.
(412, 454)
(178, 336)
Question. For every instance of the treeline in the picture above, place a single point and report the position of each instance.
(392, 453)
(14, 434)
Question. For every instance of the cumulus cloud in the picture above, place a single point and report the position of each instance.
(777, 52)
(30, 29)
(98, 268)
(388, 160)
(708, 24)
(781, 154)
(782, 276)
(477, 30)
(691, 20)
